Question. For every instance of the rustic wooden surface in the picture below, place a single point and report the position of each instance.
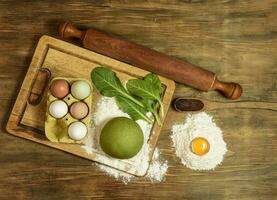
(235, 39)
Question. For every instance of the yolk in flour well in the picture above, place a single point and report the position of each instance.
(200, 146)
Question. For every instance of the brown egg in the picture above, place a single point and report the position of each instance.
(59, 88)
(79, 110)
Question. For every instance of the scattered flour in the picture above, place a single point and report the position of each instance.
(107, 109)
(198, 125)
(155, 173)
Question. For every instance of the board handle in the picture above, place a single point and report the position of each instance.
(39, 85)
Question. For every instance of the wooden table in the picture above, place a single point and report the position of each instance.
(235, 39)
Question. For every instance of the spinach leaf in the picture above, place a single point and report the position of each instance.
(143, 89)
(108, 84)
(150, 88)
(135, 111)
(152, 106)
(154, 80)
(140, 97)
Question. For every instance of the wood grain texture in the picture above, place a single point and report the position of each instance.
(225, 36)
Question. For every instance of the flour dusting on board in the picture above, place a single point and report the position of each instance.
(107, 109)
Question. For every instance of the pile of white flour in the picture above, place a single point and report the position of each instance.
(198, 125)
(106, 110)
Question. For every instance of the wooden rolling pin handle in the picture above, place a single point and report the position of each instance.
(229, 90)
(149, 59)
(67, 30)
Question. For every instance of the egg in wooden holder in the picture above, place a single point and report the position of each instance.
(69, 103)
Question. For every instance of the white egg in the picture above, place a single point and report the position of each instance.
(77, 130)
(58, 109)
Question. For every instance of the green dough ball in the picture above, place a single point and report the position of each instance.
(121, 138)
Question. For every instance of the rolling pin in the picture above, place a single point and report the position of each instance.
(150, 60)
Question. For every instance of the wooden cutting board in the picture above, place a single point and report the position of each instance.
(60, 58)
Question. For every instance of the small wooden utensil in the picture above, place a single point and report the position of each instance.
(150, 60)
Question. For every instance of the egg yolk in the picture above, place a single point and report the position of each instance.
(200, 146)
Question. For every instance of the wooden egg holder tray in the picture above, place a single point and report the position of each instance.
(59, 58)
